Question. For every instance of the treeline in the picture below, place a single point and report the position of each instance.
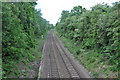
(21, 25)
(97, 29)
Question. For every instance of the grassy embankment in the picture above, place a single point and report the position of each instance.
(91, 60)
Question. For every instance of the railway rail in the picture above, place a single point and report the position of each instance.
(58, 62)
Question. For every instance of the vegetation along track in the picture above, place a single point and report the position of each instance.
(58, 62)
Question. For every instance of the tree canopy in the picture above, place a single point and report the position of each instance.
(21, 25)
(97, 29)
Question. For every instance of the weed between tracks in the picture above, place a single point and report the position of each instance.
(91, 60)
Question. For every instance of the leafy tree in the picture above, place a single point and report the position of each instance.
(21, 25)
(97, 29)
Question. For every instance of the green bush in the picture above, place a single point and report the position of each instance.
(21, 25)
(97, 29)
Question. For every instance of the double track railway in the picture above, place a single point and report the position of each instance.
(58, 62)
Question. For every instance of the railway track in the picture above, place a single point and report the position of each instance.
(57, 61)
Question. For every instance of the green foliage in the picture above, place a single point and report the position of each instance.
(21, 24)
(97, 29)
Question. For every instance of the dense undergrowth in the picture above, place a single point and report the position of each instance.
(93, 36)
(22, 27)
(91, 60)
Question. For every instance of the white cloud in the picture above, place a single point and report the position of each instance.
(51, 9)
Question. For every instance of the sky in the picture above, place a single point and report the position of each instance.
(51, 9)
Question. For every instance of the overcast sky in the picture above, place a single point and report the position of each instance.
(51, 9)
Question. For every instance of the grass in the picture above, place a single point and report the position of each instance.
(91, 59)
